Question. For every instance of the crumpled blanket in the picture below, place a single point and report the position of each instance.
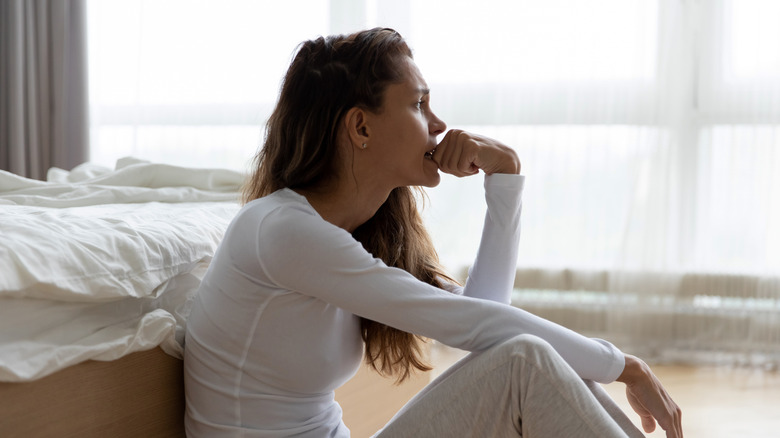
(97, 263)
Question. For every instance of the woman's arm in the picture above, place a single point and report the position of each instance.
(297, 251)
(492, 275)
(461, 153)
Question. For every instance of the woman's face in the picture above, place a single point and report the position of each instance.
(404, 131)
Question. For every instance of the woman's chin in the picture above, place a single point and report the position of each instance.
(431, 171)
(432, 181)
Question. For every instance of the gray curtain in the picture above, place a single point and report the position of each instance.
(43, 85)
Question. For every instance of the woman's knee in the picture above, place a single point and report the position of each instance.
(527, 345)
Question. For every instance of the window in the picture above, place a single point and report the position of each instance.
(648, 130)
(190, 82)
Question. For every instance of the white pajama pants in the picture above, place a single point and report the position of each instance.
(519, 388)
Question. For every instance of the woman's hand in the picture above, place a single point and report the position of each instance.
(461, 154)
(649, 398)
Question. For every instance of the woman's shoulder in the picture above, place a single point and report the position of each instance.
(285, 223)
(279, 202)
(281, 208)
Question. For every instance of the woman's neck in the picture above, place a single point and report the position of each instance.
(346, 204)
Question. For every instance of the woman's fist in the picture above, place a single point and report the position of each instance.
(462, 153)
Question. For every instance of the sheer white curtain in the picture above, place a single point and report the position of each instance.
(648, 132)
(190, 82)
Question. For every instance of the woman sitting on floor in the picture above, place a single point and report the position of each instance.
(329, 258)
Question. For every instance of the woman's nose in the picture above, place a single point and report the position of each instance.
(436, 125)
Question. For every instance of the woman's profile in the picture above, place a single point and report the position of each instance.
(328, 263)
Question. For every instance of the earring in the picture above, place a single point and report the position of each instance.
(363, 146)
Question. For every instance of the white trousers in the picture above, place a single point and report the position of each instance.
(519, 388)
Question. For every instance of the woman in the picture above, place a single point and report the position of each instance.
(329, 257)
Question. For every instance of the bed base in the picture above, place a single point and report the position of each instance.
(138, 395)
(142, 395)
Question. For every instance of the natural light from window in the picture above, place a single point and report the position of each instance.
(752, 38)
(648, 130)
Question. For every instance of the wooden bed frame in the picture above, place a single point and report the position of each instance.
(139, 395)
(142, 395)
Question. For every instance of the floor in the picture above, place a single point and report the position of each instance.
(719, 402)
(716, 402)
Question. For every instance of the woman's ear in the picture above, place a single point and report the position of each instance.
(356, 126)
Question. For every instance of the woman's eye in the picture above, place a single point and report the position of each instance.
(420, 104)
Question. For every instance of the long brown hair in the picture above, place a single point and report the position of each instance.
(327, 77)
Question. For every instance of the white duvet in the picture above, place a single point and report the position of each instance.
(97, 263)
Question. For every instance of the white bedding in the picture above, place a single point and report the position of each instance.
(97, 263)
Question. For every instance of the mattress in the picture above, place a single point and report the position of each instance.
(97, 263)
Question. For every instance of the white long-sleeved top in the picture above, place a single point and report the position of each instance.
(275, 327)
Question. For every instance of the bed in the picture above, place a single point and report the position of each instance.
(98, 268)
